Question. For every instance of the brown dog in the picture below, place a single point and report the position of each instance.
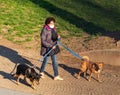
(93, 67)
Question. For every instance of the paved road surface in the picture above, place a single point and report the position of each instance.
(4, 91)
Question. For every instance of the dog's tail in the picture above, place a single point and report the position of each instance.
(86, 58)
(12, 72)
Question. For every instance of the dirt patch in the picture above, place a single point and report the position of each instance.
(97, 43)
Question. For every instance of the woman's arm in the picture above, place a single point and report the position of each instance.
(44, 41)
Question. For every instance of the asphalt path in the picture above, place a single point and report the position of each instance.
(4, 91)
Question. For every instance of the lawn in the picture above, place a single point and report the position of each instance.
(22, 20)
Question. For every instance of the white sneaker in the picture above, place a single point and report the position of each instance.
(58, 78)
(42, 75)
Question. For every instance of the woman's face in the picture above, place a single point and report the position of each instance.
(51, 24)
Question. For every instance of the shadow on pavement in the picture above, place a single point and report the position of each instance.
(70, 70)
(11, 78)
(13, 55)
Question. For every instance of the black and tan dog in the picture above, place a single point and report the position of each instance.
(27, 72)
(93, 67)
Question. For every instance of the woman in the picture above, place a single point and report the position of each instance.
(49, 38)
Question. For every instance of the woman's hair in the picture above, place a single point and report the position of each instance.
(49, 19)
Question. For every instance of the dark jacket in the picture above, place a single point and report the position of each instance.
(48, 40)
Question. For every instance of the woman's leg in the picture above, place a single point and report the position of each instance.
(55, 64)
(44, 64)
(55, 68)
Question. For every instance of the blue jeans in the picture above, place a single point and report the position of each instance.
(54, 64)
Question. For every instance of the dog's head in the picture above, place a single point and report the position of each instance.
(97, 66)
(36, 78)
(33, 75)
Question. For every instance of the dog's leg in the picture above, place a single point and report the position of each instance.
(18, 78)
(25, 78)
(14, 69)
(98, 76)
(90, 76)
(85, 73)
(33, 84)
(78, 75)
(14, 75)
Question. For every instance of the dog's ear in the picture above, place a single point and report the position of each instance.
(101, 64)
(34, 67)
(93, 65)
(29, 70)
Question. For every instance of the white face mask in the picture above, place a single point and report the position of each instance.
(51, 26)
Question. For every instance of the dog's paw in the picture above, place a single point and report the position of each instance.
(77, 76)
(18, 83)
(89, 80)
(33, 87)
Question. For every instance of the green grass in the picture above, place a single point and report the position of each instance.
(24, 18)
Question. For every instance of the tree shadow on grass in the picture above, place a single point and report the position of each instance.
(89, 27)
(13, 55)
(111, 13)
(107, 13)
(67, 16)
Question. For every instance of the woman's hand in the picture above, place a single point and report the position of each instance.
(53, 47)
(59, 36)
